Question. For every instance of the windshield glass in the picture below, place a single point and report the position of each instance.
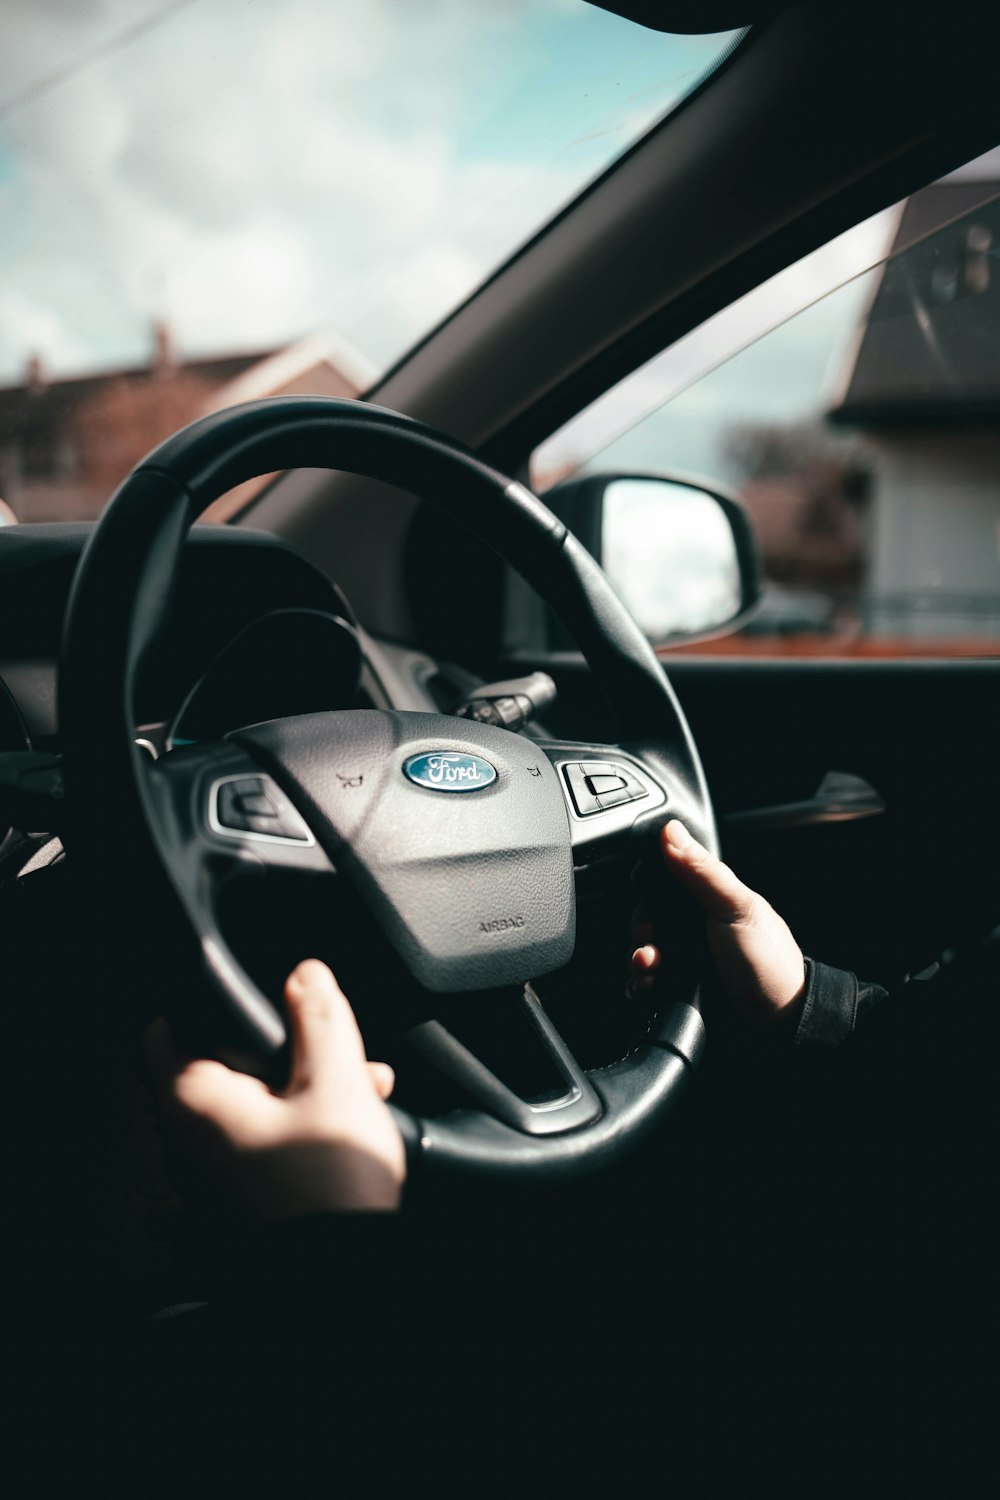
(199, 186)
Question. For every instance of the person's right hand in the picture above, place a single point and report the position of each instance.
(759, 964)
(326, 1143)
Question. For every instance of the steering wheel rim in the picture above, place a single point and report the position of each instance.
(119, 607)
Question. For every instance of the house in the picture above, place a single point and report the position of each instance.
(923, 388)
(66, 444)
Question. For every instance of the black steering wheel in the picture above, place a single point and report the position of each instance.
(461, 838)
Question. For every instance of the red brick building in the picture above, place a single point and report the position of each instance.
(65, 445)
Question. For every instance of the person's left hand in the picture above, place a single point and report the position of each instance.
(327, 1143)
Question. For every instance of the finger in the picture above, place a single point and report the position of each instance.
(642, 968)
(326, 1043)
(197, 1087)
(208, 1092)
(713, 885)
(645, 960)
(383, 1077)
(178, 1078)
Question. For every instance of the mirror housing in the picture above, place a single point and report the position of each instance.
(682, 555)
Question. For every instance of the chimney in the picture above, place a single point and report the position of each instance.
(164, 350)
(34, 374)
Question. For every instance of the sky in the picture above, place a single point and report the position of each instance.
(256, 170)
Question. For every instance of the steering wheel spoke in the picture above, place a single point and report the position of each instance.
(218, 807)
(620, 793)
(221, 821)
(611, 795)
(562, 1099)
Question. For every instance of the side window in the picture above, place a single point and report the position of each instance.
(853, 404)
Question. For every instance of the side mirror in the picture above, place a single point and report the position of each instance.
(683, 557)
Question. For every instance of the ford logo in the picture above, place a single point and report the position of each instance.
(450, 771)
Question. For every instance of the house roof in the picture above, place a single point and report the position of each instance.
(46, 405)
(927, 349)
(324, 364)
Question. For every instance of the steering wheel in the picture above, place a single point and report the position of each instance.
(462, 838)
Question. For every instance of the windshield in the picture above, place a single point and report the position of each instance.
(200, 186)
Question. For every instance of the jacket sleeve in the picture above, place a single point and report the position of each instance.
(951, 1008)
(834, 1002)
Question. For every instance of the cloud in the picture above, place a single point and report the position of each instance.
(258, 171)
(30, 325)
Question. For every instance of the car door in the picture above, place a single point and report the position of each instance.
(851, 731)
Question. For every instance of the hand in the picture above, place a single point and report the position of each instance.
(759, 964)
(327, 1142)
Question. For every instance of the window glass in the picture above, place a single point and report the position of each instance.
(852, 403)
(203, 204)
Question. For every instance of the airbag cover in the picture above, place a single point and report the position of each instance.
(473, 891)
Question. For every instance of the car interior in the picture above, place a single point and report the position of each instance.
(224, 743)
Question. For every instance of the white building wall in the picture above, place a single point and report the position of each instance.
(934, 558)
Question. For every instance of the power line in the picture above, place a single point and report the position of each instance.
(57, 76)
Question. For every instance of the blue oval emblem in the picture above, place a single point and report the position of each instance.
(450, 771)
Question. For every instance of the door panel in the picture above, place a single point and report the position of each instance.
(881, 894)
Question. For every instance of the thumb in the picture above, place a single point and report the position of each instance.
(326, 1042)
(383, 1077)
(720, 893)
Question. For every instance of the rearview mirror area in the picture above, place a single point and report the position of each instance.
(682, 557)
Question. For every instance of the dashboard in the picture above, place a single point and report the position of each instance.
(256, 632)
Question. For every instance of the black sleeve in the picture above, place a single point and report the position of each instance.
(948, 1011)
(833, 1003)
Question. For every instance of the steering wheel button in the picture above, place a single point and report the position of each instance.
(256, 824)
(247, 786)
(256, 803)
(584, 799)
(621, 796)
(605, 784)
(227, 803)
(263, 813)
